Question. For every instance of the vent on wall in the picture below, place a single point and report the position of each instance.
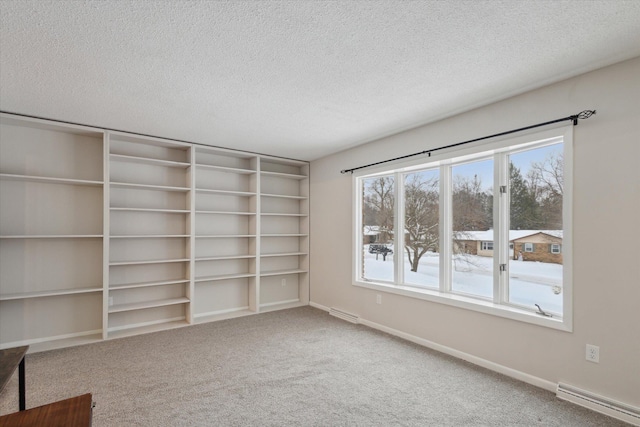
(343, 315)
(600, 404)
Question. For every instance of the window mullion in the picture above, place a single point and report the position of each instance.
(398, 224)
(445, 228)
(501, 227)
(358, 222)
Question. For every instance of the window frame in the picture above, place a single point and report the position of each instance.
(498, 149)
(558, 248)
(529, 247)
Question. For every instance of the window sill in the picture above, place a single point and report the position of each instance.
(472, 304)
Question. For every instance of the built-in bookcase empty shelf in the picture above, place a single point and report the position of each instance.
(147, 304)
(149, 161)
(173, 211)
(49, 180)
(106, 234)
(49, 293)
(223, 277)
(148, 284)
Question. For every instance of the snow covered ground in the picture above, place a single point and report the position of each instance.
(529, 282)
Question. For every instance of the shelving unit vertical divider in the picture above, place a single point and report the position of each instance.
(254, 291)
(305, 226)
(191, 241)
(106, 204)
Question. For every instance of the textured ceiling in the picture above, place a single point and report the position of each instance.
(298, 79)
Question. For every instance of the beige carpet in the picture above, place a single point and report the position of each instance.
(298, 367)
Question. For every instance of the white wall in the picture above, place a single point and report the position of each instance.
(606, 239)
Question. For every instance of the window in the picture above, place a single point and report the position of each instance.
(421, 224)
(378, 201)
(454, 230)
(471, 210)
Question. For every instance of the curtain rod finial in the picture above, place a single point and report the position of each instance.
(586, 114)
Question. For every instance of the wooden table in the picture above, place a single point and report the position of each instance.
(74, 412)
(11, 358)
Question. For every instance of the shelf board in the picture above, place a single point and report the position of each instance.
(157, 261)
(72, 340)
(148, 187)
(127, 138)
(150, 236)
(49, 180)
(224, 212)
(148, 161)
(226, 169)
(283, 175)
(283, 196)
(223, 277)
(51, 293)
(147, 304)
(285, 235)
(54, 236)
(283, 214)
(223, 236)
(218, 258)
(147, 284)
(280, 305)
(283, 254)
(222, 314)
(226, 192)
(131, 330)
(282, 272)
(152, 210)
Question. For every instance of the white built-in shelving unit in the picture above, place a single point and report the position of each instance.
(106, 234)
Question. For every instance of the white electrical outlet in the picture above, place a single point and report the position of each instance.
(593, 353)
(284, 282)
(378, 299)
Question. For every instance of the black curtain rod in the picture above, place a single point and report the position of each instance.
(574, 118)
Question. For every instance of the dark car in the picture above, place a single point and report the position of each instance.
(380, 249)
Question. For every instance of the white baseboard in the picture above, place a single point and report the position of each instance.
(319, 306)
(600, 404)
(513, 373)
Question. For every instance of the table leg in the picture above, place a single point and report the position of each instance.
(21, 385)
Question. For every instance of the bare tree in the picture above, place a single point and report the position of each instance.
(379, 205)
(421, 217)
(550, 173)
(547, 177)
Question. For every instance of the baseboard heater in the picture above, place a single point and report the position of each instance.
(598, 403)
(343, 315)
